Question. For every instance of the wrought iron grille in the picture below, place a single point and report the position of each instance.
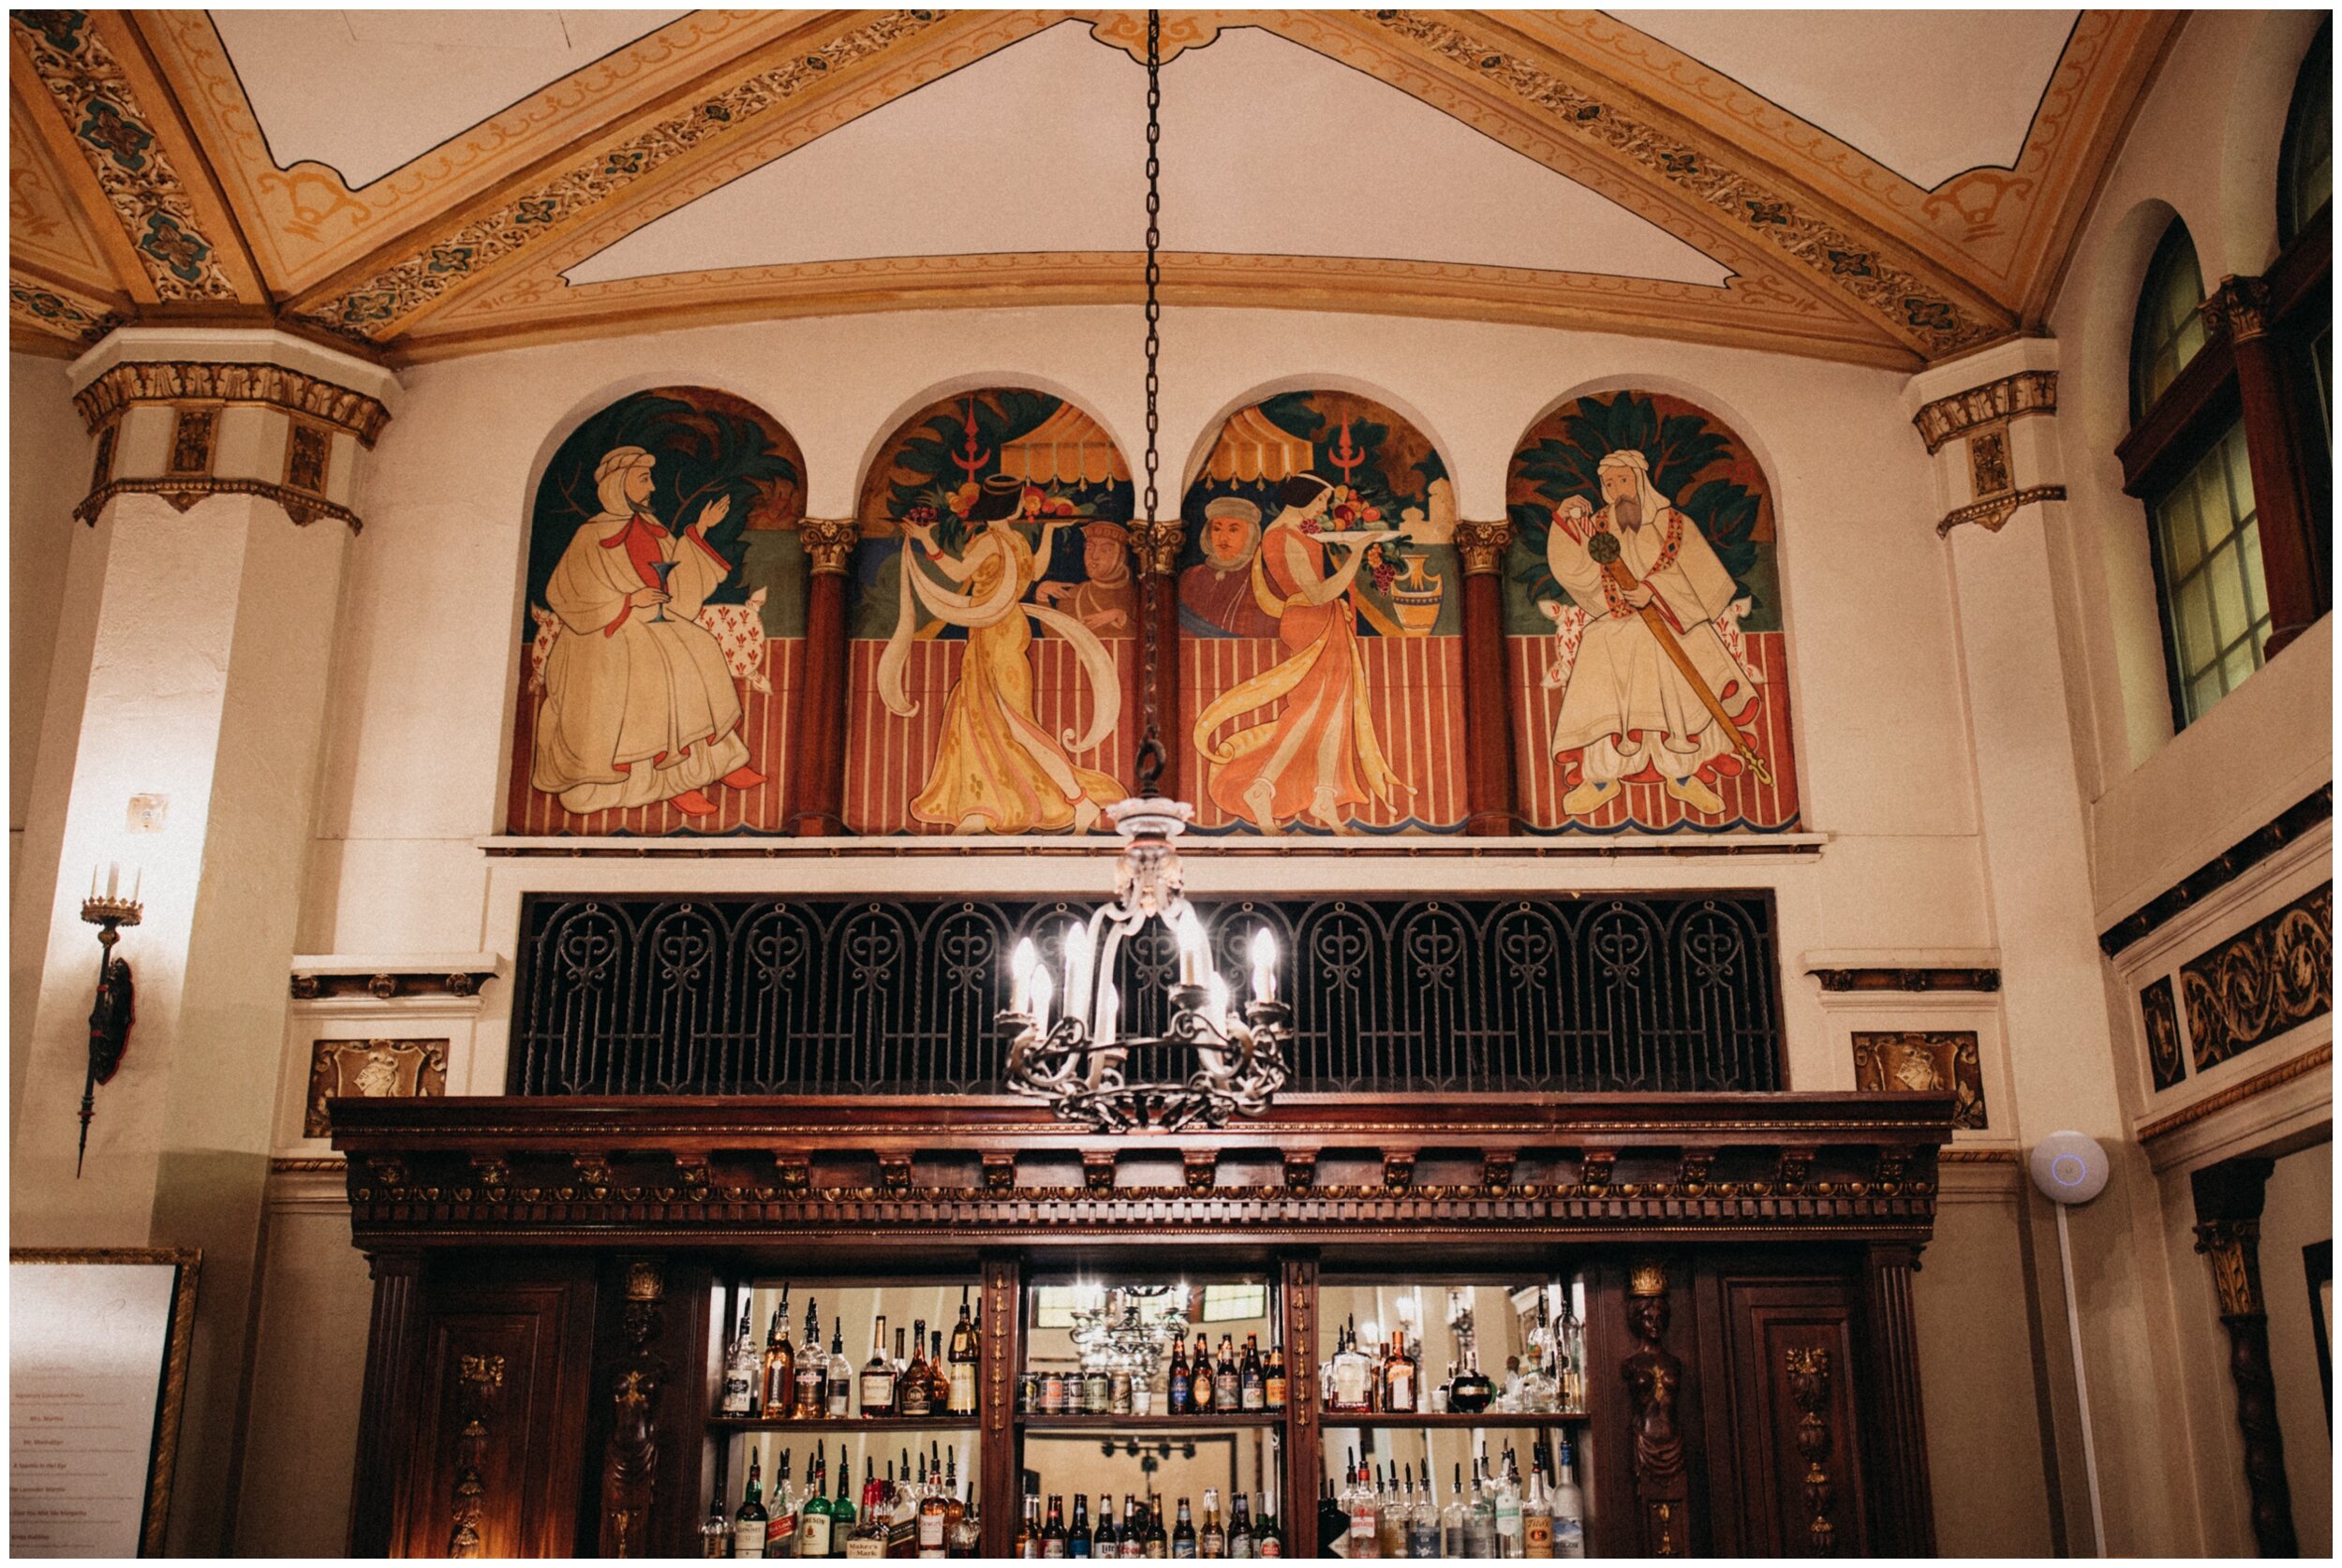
(649, 995)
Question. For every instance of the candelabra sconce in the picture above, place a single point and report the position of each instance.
(110, 1014)
(1216, 1058)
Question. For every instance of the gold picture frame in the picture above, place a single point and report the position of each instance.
(172, 1385)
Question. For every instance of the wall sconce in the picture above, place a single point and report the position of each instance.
(110, 1014)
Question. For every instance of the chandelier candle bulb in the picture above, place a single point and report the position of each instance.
(1076, 962)
(1041, 987)
(1020, 969)
(1264, 966)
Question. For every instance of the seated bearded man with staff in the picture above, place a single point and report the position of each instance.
(1629, 703)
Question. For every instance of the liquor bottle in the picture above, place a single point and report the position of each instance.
(878, 1374)
(1507, 1500)
(1423, 1520)
(1227, 1389)
(780, 1521)
(1333, 1519)
(1107, 1542)
(1568, 1504)
(868, 1539)
(813, 1518)
(1472, 1392)
(1273, 1384)
(1251, 1381)
(1054, 1541)
(743, 1367)
(716, 1529)
(1184, 1534)
(748, 1525)
(1536, 1510)
(1452, 1520)
(914, 1391)
(1479, 1531)
(1182, 1380)
(1401, 1377)
(939, 1375)
(781, 1365)
(935, 1516)
(1078, 1540)
(1200, 1390)
(1028, 1528)
(1158, 1538)
(967, 1349)
(840, 1375)
(1240, 1527)
(1213, 1539)
(842, 1513)
(1269, 1536)
(1350, 1390)
(812, 1400)
(1364, 1524)
(1391, 1513)
(1570, 1348)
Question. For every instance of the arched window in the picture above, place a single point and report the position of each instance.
(2207, 532)
(2305, 163)
(2170, 330)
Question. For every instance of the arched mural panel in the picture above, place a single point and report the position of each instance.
(1321, 616)
(663, 622)
(1649, 673)
(994, 614)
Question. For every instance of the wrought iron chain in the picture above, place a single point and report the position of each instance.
(1150, 757)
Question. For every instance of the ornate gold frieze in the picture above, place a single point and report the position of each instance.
(185, 493)
(1995, 512)
(93, 93)
(249, 383)
(2273, 976)
(2028, 391)
(60, 315)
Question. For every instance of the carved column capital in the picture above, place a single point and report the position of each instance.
(1483, 546)
(2239, 307)
(2234, 1249)
(829, 542)
(1157, 543)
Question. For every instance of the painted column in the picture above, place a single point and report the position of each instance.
(1489, 781)
(820, 745)
(2272, 449)
(183, 743)
(1158, 544)
(2229, 1198)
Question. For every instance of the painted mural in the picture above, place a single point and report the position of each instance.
(994, 616)
(1321, 618)
(1642, 609)
(663, 615)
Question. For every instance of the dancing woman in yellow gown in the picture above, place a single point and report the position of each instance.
(997, 770)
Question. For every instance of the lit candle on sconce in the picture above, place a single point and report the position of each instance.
(1021, 970)
(1264, 966)
(1193, 949)
(1041, 987)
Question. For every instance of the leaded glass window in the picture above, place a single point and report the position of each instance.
(2216, 606)
(2170, 330)
(2305, 163)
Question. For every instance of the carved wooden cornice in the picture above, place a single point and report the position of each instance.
(2028, 391)
(1908, 979)
(1737, 1167)
(240, 382)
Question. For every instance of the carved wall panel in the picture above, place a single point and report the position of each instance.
(371, 1069)
(2269, 978)
(1923, 1061)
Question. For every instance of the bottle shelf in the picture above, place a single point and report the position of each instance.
(844, 1424)
(1151, 1423)
(1450, 1418)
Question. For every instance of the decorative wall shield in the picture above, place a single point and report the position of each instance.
(1923, 1062)
(371, 1069)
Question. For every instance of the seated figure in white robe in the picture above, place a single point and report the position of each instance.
(1627, 706)
(639, 703)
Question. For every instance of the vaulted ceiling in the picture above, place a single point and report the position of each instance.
(1886, 187)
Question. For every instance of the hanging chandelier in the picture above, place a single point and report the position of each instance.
(1066, 1042)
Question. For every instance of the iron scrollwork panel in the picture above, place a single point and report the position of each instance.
(649, 996)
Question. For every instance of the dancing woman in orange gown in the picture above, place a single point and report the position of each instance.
(1319, 755)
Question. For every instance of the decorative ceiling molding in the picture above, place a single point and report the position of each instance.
(96, 81)
(540, 310)
(305, 223)
(910, 48)
(60, 320)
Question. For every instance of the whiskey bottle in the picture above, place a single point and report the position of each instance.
(781, 1365)
(878, 1374)
(939, 1376)
(842, 1513)
(840, 1377)
(780, 1513)
(812, 1400)
(935, 1519)
(914, 1391)
(748, 1525)
(716, 1529)
(967, 1350)
(743, 1369)
(868, 1539)
(813, 1518)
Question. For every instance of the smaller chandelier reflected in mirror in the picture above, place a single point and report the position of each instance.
(1215, 1058)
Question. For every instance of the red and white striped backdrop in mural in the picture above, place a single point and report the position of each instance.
(767, 724)
(1415, 699)
(1747, 804)
(888, 758)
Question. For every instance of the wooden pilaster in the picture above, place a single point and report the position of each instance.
(378, 1498)
(1903, 1502)
(2274, 448)
(818, 758)
(1489, 784)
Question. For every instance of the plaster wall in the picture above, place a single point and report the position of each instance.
(2300, 1211)
(2203, 147)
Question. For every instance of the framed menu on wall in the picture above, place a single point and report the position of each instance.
(98, 1369)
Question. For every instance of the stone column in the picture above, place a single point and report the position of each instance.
(819, 755)
(182, 740)
(2274, 445)
(1489, 781)
(2228, 1233)
(1158, 544)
